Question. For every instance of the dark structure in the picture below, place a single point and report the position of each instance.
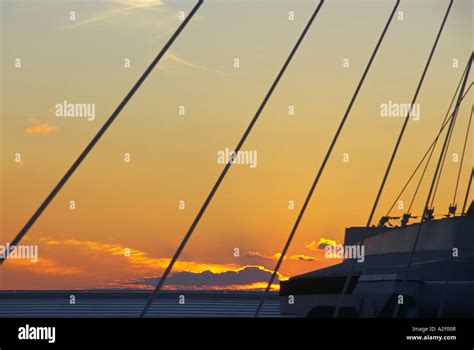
(440, 281)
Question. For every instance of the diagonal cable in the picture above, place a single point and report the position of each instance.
(462, 157)
(468, 190)
(97, 137)
(430, 192)
(323, 165)
(431, 155)
(392, 158)
(460, 225)
(428, 151)
(228, 165)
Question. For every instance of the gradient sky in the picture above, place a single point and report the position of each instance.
(135, 205)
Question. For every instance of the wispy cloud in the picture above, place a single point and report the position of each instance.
(172, 61)
(46, 266)
(302, 257)
(178, 59)
(252, 254)
(125, 7)
(276, 256)
(41, 129)
(141, 260)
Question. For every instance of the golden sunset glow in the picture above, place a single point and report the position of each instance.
(121, 216)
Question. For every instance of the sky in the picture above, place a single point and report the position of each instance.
(127, 220)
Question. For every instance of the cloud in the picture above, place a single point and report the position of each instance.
(186, 274)
(126, 7)
(41, 129)
(245, 278)
(46, 266)
(302, 257)
(141, 260)
(252, 254)
(323, 243)
(276, 256)
(172, 58)
(178, 59)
